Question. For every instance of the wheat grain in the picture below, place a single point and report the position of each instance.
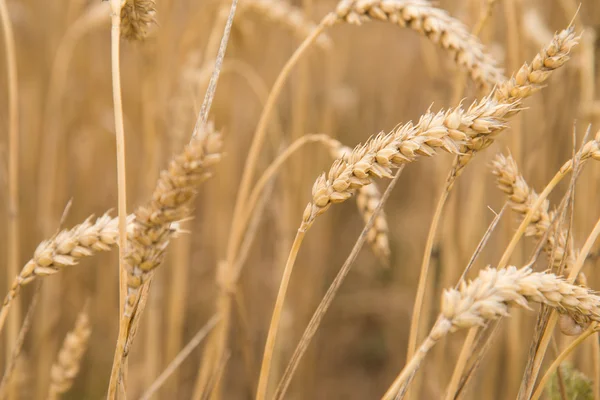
(432, 22)
(171, 201)
(67, 365)
(458, 131)
(137, 17)
(288, 16)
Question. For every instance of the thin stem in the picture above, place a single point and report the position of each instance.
(542, 385)
(422, 285)
(236, 233)
(319, 313)
(403, 379)
(272, 169)
(214, 79)
(263, 379)
(116, 6)
(181, 356)
(12, 268)
(16, 351)
(465, 352)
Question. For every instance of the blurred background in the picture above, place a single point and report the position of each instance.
(373, 78)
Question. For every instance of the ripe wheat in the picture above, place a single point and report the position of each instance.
(67, 365)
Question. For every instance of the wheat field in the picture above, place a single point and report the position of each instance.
(263, 199)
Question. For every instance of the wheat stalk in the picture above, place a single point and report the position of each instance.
(432, 22)
(12, 262)
(488, 297)
(289, 17)
(137, 17)
(68, 362)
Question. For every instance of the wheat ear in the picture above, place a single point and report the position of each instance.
(522, 197)
(156, 221)
(137, 17)
(68, 362)
(432, 22)
(457, 131)
(488, 297)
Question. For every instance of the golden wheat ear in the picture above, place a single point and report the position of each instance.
(157, 221)
(137, 18)
(68, 363)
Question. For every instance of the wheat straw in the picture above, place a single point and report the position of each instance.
(67, 365)
(289, 17)
(12, 226)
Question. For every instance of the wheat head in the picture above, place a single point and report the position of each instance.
(458, 131)
(137, 16)
(432, 22)
(156, 221)
(67, 365)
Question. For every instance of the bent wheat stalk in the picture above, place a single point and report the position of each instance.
(488, 297)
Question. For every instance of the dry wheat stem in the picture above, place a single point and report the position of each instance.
(289, 17)
(263, 379)
(116, 8)
(68, 362)
(214, 79)
(16, 351)
(178, 360)
(527, 80)
(488, 297)
(593, 328)
(325, 303)
(13, 245)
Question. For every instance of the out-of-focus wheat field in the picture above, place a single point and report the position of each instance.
(372, 78)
